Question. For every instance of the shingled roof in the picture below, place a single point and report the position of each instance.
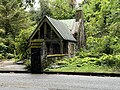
(69, 23)
(60, 27)
(72, 25)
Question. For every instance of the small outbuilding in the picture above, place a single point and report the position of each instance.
(57, 37)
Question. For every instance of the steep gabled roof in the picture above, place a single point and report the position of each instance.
(72, 25)
(69, 23)
(60, 27)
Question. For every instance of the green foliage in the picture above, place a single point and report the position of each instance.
(88, 53)
(106, 44)
(35, 15)
(2, 32)
(3, 48)
(63, 62)
(13, 18)
(102, 17)
(105, 63)
(61, 9)
(26, 3)
(9, 56)
(44, 8)
(22, 43)
(28, 64)
(10, 43)
(1, 56)
(109, 60)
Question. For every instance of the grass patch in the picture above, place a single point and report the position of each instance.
(104, 64)
(85, 68)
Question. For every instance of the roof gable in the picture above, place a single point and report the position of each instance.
(59, 26)
(62, 29)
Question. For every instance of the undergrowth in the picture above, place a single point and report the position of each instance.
(88, 63)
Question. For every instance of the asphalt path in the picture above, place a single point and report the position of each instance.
(11, 66)
(12, 81)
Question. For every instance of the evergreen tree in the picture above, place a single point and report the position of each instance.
(44, 7)
(102, 24)
(61, 9)
(13, 18)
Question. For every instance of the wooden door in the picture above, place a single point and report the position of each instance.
(35, 60)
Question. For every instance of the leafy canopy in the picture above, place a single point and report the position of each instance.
(61, 9)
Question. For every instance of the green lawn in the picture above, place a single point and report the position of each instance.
(85, 68)
(87, 64)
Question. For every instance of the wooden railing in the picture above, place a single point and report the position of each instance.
(56, 56)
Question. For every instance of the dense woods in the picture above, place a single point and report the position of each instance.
(102, 23)
(102, 26)
(13, 19)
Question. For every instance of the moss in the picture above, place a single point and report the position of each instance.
(37, 40)
(56, 55)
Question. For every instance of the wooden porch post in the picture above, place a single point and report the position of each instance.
(61, 47)
(38, 34)
(45, 30)
(36, 55)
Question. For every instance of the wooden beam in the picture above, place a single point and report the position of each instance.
(54, 40)
(40, 24)
(51, 32)
(61, 47)
(51, 49)
(39, 34)
(54, 29)
(45, 30)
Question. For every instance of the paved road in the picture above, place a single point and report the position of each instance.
(57, 82)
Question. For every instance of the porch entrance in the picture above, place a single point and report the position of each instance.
(36, 55)
(35, 60)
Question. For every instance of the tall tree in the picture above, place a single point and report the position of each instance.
(26, 3)
(100, 15)
(61, 9)
(44, 7)
(72, 3)
(13, 18)
(102, 24)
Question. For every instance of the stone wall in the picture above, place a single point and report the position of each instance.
(71, 49)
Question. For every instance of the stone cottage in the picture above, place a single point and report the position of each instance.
(57, 37)
(60, 36)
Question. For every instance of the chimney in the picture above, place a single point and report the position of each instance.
(78, 15)
(81, 35)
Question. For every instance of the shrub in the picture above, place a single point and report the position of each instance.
(62, 63)
(3, 48)
(89, 60)
(88, 53)
(117, 63)
(1, 56)
(109, 60)
(9, 55)
(28, 64)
